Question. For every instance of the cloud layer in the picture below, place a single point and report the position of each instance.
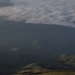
(40, 11)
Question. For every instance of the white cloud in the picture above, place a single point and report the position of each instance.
(40, 11)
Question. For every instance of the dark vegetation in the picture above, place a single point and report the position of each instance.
(51, 46)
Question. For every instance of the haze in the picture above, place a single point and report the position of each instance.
(40, 11)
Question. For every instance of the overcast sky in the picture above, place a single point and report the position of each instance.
(40, 11)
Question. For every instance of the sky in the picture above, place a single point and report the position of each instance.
(39, 11)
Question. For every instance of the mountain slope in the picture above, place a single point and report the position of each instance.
(22, 44)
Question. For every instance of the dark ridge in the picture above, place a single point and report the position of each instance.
(35, 43)
(50, 37)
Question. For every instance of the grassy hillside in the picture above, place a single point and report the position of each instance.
(51, 73)
(34, 69)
